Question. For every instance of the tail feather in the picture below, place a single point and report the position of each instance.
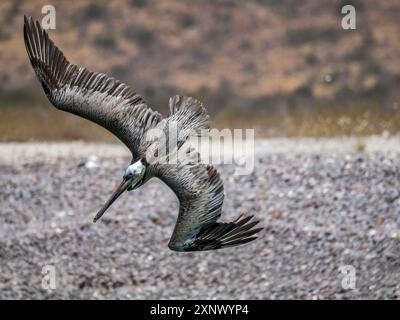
(242, 228)
(222, 235)
(239, 242)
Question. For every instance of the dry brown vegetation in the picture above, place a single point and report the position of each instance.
(283, 68)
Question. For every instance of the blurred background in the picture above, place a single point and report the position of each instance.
(280, 67)
(286, 68)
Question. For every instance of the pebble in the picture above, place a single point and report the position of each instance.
(321, 211)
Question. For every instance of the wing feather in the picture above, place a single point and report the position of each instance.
(200, 192)
(92, 95)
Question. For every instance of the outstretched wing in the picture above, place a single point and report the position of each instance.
(91, 95)
(200, 192)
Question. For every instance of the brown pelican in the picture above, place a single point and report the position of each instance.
(115, 106)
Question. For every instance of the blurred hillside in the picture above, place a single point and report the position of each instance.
(284, 68)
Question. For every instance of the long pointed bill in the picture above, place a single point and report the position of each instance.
(117, 192)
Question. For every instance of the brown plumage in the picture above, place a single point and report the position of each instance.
(91, 95)
(115, 106)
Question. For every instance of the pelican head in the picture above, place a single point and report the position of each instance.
(133, 178)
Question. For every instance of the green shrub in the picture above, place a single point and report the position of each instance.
(105, 41)
(138, 3)
(187, 21)
(297, 37)
(94, 11)
(120, 71)
(4, 35)
(141, 35)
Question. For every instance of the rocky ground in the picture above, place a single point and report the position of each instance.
(323, 206)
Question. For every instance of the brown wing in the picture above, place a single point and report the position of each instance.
(91, 95)
(200, 192)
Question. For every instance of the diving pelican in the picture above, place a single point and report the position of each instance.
(118, 108)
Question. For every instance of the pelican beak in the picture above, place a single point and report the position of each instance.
(120, 189)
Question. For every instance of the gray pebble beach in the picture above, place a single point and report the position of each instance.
(323, 206)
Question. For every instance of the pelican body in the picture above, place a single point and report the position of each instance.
(118, 108)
